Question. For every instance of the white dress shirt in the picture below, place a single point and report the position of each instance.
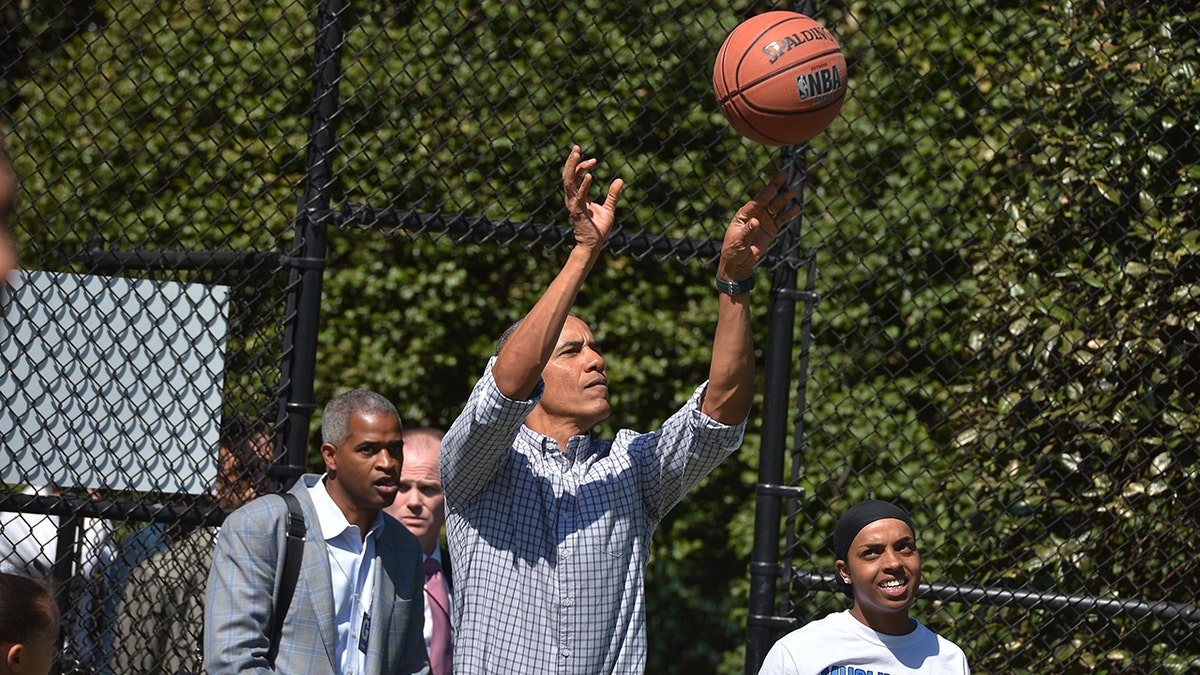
(352, 568)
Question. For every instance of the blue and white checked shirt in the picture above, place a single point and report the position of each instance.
(549, 547)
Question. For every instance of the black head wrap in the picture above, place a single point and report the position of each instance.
(855, 519)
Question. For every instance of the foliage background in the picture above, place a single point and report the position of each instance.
(1004, 218)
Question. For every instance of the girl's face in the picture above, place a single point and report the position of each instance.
(883, 569)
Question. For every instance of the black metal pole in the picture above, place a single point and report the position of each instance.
(764, 557)
(63, 568)
(307, 262)
(761, 623)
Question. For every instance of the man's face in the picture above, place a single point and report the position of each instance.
(365, 470)
(884, 571)
(8, 253)
(241, 481)
(420, 504)
(576, 384)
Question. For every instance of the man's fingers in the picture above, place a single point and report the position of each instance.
(586, 165)
(614, 194)
(585, 185)
(571, 163)
(770, 197)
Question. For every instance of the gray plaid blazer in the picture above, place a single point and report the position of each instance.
(245, 575)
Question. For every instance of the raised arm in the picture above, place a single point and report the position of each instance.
(731, 373)
(523, 356)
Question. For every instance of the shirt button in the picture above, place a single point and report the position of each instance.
(567, 602)
(566, 553)
(566, 651)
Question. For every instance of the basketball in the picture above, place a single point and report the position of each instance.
(780, 78)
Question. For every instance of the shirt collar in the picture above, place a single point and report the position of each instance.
(579, 448)
(333, 521)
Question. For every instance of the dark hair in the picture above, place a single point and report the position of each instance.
(505, 335)
(239, 433)
(246, 440)
(24, 608)
(8, 184)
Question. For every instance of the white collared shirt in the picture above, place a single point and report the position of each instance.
(352, 569)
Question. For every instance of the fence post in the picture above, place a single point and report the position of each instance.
(764, 557)
(307, 259)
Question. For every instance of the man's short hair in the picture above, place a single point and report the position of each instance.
(335, 421)
(24, 608)
(505, 335)
(424, 432)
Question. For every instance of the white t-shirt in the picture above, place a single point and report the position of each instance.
(841, 645)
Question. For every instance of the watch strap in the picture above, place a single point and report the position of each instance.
(735, 287)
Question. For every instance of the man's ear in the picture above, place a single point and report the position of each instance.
(329, 451)
(13, 653)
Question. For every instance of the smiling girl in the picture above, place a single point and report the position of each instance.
(875, 545)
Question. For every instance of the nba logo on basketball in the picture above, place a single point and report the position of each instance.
(819, 85)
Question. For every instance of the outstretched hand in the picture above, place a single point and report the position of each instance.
(754, 227)
(592, 221)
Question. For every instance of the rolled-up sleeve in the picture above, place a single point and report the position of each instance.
(687, 447)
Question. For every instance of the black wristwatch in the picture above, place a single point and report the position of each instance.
(735, 287)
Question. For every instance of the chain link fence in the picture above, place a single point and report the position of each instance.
(986, 311)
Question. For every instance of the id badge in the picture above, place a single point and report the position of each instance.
(364, 633)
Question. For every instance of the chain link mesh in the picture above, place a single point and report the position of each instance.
(1002, 223)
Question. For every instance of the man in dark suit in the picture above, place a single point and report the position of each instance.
(421, 507)
(357, 605)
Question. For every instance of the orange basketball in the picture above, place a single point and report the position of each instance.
(780, 78)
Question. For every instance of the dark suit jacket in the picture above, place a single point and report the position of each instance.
(447, 571)
(247, 566)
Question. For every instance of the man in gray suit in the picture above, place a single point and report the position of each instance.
(359, 600)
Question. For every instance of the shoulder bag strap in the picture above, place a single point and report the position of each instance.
(292, 558)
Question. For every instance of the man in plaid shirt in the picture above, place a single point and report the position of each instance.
(549, 529)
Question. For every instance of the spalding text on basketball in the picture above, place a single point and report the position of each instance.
(777, 48)
(819, 85)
